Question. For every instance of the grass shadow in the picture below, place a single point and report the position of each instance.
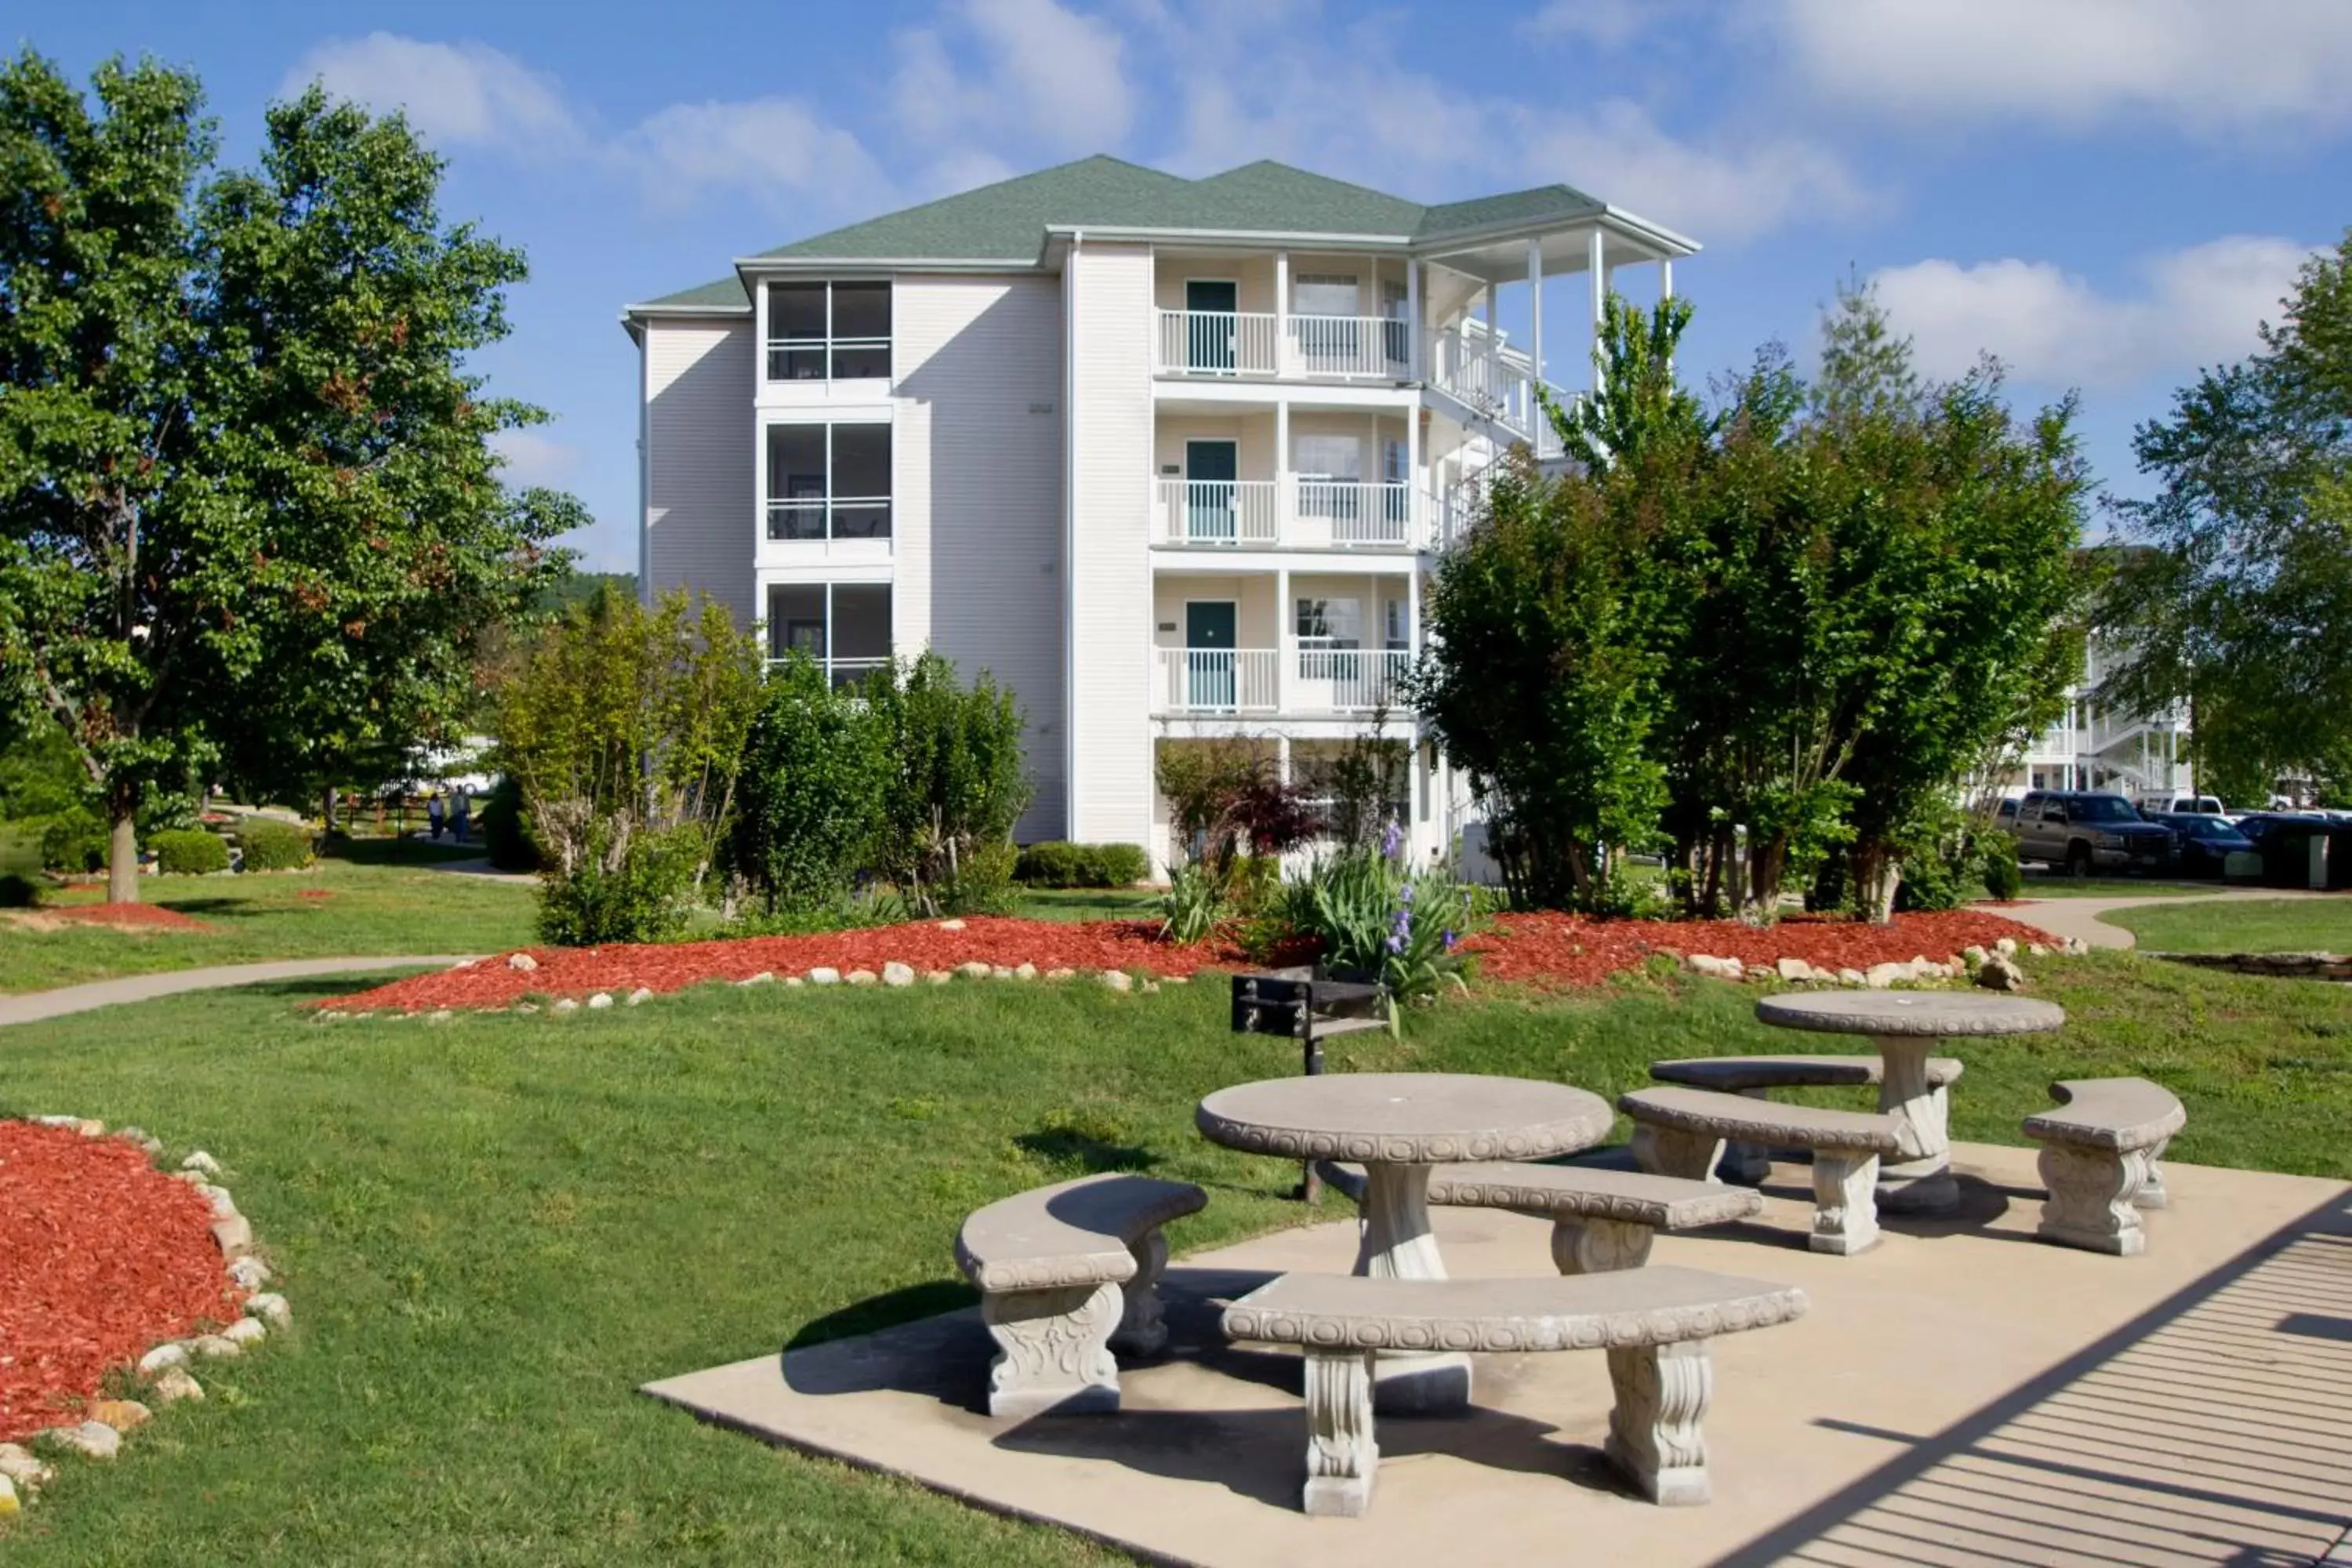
(1084, 1153)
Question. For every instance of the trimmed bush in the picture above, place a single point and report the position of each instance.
(74, 843)
(1056, 864)
(636, 890)
(189, 852)
(506, 829)
(2002, 878)
(270, 845)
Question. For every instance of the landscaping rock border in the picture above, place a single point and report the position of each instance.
(1994, 968)
(162, 1372)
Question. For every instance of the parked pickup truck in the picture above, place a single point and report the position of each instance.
(2082, 831)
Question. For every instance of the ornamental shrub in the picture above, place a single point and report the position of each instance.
(809, 806)
(74, 842)
(1057, 864)
(189, 852)
(1998, 851)
(270, 845)
(506, 828)
(956, 781)
(624, 886)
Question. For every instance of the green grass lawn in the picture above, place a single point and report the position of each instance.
(393, 906)
(2254, 925)
(1087, 904)
(493, 1229)
(2060, 885)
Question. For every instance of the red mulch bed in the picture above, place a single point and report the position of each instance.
(1563, 950)
(1570, 949)
(101, 1256)
(138, 915)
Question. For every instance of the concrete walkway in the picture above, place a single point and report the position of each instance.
(2080, 917)
(31, 1006)
(481, 867)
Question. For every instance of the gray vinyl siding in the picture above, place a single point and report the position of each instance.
(1107, 297)
(700, 523)
(977, 512)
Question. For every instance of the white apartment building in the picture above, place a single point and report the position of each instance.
(1171, 458)
(2097, 745)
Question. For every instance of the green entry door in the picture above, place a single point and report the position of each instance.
(1209, 635)
(1210, 325)
(1210, 469)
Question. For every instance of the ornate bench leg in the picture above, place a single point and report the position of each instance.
(1664, 1152)
(1750, 1165)
(1141, 1331)
(2091, 1193)
(1599, 1246)
(1053, 1350)
(2151, 1193)
(1654, 1432)
(1845, 1206)
(1340, 1454)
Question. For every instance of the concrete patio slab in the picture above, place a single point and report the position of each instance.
(1961, 1394)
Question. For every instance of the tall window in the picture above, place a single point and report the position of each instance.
(1330, 622)
(829, 481)
(828, 331)
(843, 628)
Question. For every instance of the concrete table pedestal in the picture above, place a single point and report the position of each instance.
(1907, 1028)
(1398, 1126)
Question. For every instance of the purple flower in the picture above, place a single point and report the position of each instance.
(1404, 894)
(1392, 840)
(1396, 944)
(1448, 939)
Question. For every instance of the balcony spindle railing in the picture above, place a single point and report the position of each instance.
(1336, 680)
(1216, 342)
(1216, 679)
(1239, 512)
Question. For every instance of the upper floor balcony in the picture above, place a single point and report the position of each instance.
(1314, 646)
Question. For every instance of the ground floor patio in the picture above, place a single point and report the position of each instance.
(1962, 1394)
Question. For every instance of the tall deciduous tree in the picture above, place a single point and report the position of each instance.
(245, 496)
(2241, 603)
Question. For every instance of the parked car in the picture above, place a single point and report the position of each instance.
(2154, 806)
(2082, 829)
(2202, 842)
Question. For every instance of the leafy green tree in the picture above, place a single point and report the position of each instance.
(815, 777)
(620, 720)
(958, 783)
(246, 498)
(2241, 603)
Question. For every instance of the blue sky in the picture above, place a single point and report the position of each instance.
(2105, 193)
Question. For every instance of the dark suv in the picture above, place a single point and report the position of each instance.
(2080, 829)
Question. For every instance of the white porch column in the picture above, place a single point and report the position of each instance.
(1535, 318)
(1286, 490)
(1282, 755)
(1666, 277)
(1413, 331)
(1597, 265)
(1282, 645)
(758, 337)
(1282, 313)
(1414, 484)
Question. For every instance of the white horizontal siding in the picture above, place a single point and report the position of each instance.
(699, 522)
(1108, 300)
(976, 508)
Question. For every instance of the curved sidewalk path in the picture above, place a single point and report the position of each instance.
(31, 1006)
(2080, 917)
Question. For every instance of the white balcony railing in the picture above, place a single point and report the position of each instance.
(1216, 679)
(1303, 513)
(1345, 680)
(841, 673)
(1216, 342)
(1354, 348)
(1348, 513)
(1495, 381)
(1240, 512)
(1253, 343)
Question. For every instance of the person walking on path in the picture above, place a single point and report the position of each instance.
(463, 812)
(433, 816)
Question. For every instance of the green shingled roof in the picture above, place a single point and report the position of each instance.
(1007, 221)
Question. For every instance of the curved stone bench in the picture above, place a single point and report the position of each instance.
(1754, 1075)
(2101, 1153)
(1681, 1132)
(1654, 1323)
(1068, 1274)
(1601, 1219)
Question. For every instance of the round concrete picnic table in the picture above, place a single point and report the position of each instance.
(1398, 1126)
(1907, 1027)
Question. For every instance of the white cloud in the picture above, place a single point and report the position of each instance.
(2201, 306)
(1044, 78)
(2211, 66)
(529, 459)
(774, 147)
(454, 94)
(1610, 24)
(1727, 188)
